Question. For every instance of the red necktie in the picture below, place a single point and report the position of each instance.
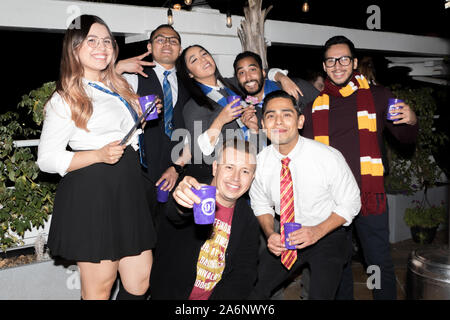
(288, 257)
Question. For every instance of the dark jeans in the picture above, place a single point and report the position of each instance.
(373, 234)
(325, 259)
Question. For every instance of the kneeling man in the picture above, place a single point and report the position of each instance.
(216, 261)
(306, 182)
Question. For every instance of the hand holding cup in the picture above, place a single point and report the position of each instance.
(149, 102)
(231, 111)
(399, 112)
(183, 193)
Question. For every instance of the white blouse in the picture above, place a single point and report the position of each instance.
(322, 181)
(110, 121)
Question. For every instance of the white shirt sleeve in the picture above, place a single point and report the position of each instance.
(344, 190)
(57, 129)
(260, 201)
(132, 80)
(273, 71)
(205, 145)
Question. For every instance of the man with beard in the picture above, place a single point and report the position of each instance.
(350, 115)
(252, 80)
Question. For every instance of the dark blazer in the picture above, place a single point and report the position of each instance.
(178, 246)
(158, 147)
(310, 93)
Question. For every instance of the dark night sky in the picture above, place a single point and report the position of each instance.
(32, 58)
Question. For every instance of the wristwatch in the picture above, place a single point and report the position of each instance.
(179, 169)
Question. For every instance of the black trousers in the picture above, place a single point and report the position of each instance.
(325, 258)
(373, 234)
(153, 204)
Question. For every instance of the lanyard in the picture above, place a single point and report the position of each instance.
(133, 114)
(132, 111)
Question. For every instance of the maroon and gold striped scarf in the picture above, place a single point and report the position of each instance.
(373, 196)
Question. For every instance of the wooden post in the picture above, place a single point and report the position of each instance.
(251, 32)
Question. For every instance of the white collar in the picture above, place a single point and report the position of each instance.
(217, 88)
(292, 154)
(160, 69)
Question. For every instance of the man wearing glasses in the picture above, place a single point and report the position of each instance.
(350, 116)
(159, 77)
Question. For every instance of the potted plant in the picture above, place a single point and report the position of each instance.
(414, 172)
(26, 195)
(424, 218)
(26, 203)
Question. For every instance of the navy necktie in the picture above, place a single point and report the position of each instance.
(168, 105)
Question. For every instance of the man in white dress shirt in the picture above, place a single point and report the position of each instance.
(325, 194)
(148, 78)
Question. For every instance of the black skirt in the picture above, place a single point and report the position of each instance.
(101, 213)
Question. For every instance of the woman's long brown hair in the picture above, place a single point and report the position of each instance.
(70, 84)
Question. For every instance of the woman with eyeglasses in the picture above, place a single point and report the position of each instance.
(101, 218)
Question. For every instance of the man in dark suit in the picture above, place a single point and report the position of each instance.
(215, 261)
(159, 77)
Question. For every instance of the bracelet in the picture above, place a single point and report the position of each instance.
(179, 169)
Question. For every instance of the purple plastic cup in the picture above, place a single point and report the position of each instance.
(204, 213)
(391, 103)
(161, 195)
(288, 228)
(147, 101)
(238, 103)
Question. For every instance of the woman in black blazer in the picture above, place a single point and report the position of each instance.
(207, 115)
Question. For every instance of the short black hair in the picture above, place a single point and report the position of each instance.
(280, 94)
(164, 26)
(247, 54)
(339, 40)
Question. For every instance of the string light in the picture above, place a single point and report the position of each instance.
(229, 21)
(169, 17)
(177, 6)
(305, 7)
(188, 2)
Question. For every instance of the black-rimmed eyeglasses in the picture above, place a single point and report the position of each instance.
(344, 61)
(161, 40)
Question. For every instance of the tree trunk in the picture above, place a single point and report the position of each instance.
(251, 32)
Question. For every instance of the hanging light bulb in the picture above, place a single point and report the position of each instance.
(305, 7)
(177, 6)
(188, 2)
(229, 21)
(169, 17)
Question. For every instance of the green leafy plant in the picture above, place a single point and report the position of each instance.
(417, 170)
(26, 196)
(424, 215)
(35, 101)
